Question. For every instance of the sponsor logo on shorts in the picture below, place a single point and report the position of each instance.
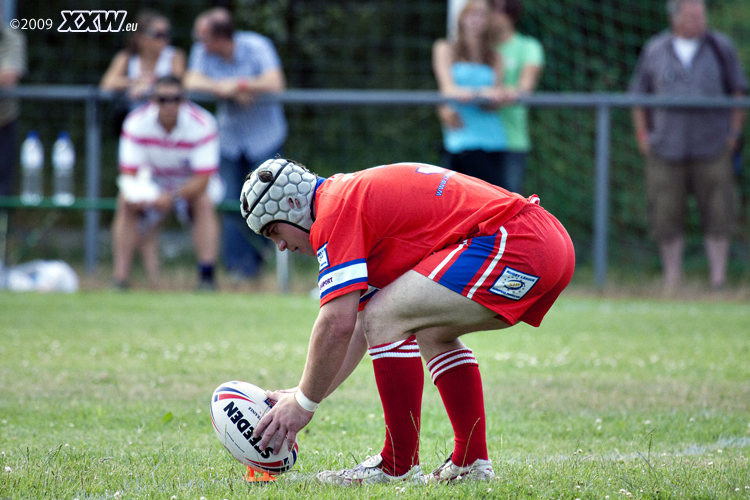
(513, 284)
(323, 257)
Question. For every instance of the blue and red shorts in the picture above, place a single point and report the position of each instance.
(518, 272)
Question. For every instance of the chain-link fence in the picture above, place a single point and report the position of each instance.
(589, 46)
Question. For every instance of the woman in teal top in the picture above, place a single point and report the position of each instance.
(465, 69)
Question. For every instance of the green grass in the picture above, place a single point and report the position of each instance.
(105, 395)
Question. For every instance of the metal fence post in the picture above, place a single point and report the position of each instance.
(601, 193)
(93, 165)
(282, 270)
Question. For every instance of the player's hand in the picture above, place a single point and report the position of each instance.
(277, 395)
(282, 423)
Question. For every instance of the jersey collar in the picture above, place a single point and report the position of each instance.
(320, 181)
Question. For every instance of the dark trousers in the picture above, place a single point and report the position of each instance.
(8, 157)
(242, 249)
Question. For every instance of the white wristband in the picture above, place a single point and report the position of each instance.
(305, 402)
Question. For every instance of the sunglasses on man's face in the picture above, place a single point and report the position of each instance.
(160, 35)
(168, 99)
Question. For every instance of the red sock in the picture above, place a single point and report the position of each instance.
(400, 378)
(456, 375)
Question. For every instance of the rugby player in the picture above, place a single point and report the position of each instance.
(412, 257)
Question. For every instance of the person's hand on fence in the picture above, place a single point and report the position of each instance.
(509, 95)
(141, 87)
(493, 97)
(449, 117)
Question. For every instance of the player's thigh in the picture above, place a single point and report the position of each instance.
(413, 303)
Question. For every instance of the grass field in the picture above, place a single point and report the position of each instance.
(105, 395)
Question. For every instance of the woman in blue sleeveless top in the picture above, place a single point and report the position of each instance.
(466, 68)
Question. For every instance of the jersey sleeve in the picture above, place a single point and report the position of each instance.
(339, 241)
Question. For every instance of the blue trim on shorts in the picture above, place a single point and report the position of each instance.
(468, 264)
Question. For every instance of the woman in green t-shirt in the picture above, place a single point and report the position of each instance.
(523, 60)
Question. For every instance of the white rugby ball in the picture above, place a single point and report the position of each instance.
(236, 409)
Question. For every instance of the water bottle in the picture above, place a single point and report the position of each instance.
(63, 160)
(32, 161)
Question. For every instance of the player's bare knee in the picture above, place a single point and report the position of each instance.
(381, 325)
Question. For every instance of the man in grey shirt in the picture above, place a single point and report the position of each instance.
(689, 150)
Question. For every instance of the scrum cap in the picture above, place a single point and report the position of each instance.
(278, 190)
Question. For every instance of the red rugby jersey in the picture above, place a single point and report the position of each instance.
(374, 225)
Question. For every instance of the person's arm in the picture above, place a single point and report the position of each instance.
(329, 344)
(496, 93)
(270, 81)
(116, 76)
(14, 64)
(179, 64)
(9, 78)
(442, 59)
(190, 189)
(640, 124)
(234, 88)
(529, 78)
(354, 354)
(441, 67)
(736, 124)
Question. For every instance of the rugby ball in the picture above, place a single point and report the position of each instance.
(236, 409)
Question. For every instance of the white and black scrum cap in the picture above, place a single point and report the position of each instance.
(278, 190)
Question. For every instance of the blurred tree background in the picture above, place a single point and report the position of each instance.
(590, 46)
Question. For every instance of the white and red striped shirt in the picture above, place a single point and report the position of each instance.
(191, 148)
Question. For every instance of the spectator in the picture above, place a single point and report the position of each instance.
(148, 56)
(237, 67)
(689, 150)
(12, 67)
(172, 143)
(466, 68)
(202, 24)
(523, 60)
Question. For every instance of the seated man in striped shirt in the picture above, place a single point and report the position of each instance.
(169, 151)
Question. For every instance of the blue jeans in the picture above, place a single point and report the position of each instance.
(242, 249)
